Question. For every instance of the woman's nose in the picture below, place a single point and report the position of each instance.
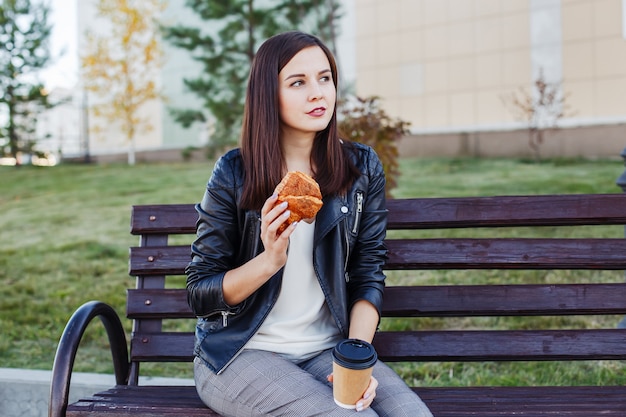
(315, 92)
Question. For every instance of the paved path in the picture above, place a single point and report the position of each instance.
(25, 393)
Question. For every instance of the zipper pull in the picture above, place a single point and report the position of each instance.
(225, 318)
(359, 210)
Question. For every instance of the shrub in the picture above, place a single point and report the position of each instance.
(362, 120)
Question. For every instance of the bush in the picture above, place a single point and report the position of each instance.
(365, 122)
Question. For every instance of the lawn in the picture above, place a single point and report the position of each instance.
(65, 238)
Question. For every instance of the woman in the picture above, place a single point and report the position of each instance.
(272, 306)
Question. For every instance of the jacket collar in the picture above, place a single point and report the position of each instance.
(332, 212)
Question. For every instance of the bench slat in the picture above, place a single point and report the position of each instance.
(507, 211)
(507, 253)
(570, 401)
(143, 401)
(163, 219)
(426, 213)
(437, 301)
(162, 347)
(459, 253)
(150, 401)
(502, 345)
(504, 300)
(161, 303)
(443, 346)
(159, 260)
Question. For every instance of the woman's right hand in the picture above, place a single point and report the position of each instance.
(272, 217)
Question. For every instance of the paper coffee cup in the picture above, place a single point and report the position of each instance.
(353, 361)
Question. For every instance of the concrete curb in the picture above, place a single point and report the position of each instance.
(25, 392)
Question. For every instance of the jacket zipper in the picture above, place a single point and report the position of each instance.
(359, 211)
(225, 318)
(355, 229)
(224, 314)
(345, 265)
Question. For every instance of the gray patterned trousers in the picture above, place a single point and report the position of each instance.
(259, 383)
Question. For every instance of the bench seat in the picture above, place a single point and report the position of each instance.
(152, 401)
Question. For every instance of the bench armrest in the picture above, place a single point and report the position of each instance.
(68, 346)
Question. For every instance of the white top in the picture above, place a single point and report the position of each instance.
(300, 324)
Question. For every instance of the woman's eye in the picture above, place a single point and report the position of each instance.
(297, 83)
(325, 79)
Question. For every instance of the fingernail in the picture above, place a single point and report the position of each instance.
(366, 396)
(283, 204)
(359, 406)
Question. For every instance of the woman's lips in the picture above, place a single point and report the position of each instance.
(317, 112)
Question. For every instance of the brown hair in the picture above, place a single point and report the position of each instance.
(263, 159)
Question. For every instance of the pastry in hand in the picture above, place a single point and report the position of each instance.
(302, 194)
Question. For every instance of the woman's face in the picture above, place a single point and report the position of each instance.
(306, 94)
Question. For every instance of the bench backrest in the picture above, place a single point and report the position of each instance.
(415, 245)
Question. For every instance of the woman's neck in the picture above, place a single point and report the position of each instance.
(297, 155)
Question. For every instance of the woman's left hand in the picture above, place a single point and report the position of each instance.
(368, 395)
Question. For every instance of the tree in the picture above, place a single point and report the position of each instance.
(541, 108)
(227, 48)
(121, 67)
(24, 36)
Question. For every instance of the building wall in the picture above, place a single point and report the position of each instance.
(594, 58)
(446, 65)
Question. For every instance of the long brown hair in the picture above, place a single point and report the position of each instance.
(263, 158)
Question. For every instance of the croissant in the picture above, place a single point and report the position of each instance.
(302, 194)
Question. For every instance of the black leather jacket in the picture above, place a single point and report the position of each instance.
(348, 258)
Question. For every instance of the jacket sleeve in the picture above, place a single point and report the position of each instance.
(365, 268)
(214, 250)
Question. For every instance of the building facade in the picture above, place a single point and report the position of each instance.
(450, 67)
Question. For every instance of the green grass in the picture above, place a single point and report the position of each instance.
(473, 177)
(65, 238)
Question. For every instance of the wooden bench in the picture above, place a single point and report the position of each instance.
(413, 250)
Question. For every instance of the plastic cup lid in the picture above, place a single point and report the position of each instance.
(354, 354)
